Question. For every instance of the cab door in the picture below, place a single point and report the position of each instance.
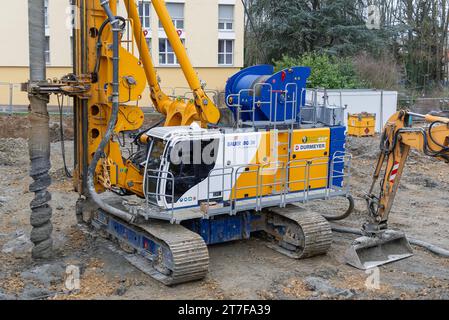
(188, 165)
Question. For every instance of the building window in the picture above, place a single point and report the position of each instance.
(225, 17)
(47, 50)
(145, 14)
(148, 40)
(225, 52)
(46, 13)
(166, 54)
(176, 11)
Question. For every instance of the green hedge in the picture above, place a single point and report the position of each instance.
(327, 72)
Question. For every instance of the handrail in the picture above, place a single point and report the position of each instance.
(231, 174)
(290, 105)
(159, 175)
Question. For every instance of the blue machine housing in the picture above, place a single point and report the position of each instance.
(276, 96)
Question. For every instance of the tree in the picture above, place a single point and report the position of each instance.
(293, 27)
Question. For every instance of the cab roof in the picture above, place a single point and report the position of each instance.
(166, 133)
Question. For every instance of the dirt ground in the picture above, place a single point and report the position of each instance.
(238, 270)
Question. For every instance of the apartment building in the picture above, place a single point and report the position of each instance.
(211, 30)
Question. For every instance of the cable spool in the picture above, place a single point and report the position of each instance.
(261, 94)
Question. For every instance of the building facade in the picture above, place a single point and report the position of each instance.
(211, 30)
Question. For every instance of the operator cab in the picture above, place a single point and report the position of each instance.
(179, 159)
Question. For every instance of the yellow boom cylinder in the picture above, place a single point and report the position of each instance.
(178, 47)
(206, 108)
(160, 100)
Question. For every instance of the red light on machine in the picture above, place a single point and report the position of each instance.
(283, 75)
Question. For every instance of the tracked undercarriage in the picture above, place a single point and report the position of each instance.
(173, 254)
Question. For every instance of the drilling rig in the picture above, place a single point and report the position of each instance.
(192, 182)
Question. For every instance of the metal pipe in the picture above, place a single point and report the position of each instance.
(39, 139)
(95, 197)
(417, 115)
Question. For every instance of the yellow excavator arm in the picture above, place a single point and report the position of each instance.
(379, 244)
(177, 111)
(399, 136)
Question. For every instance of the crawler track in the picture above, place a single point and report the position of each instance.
(184, 255)
(299, 233)
(167, 252)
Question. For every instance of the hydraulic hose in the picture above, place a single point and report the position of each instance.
(345, 214)
(423, 244)
(99, 41)
(115, 22)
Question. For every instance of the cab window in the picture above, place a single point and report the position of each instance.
(190, 164)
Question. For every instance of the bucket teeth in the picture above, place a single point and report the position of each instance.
(369, 252)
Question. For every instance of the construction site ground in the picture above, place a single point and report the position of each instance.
(238, 270)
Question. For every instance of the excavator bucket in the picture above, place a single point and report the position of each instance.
(369, 252)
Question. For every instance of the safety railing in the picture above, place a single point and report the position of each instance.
(236, 188)
(7, 97)
(186, 94)
(238, 107)
(321, 111)
(220, 192)
(287, 98)
(159, 194)
(235, 195)
(339, 178)
(272, 170)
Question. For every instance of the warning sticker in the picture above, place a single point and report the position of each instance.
(309, 147)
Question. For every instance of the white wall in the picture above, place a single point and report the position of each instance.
(381, 103)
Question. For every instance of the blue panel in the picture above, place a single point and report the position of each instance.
(128, 234)
(222, 229)
(338, 141)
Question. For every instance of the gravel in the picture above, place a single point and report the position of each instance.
(12, 152)
(324, 287)
(19, 247)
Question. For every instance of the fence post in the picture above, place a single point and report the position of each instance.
(381, 111)
(11, 93)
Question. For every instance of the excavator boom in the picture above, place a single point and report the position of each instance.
(381, 245)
